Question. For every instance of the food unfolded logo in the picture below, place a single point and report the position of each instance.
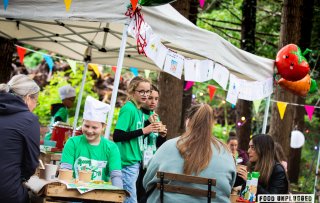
(297, 198)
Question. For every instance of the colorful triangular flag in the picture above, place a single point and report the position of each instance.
(256, 105)
(21, 52)
(189, 84)
(309, 110)
(114, 69)
(134, 71)
(73, 65)
(95, 69)
(49, 61)
(67, 4)
(201, 2)
(147, 73)
(134, 4)
(5, 4)
(282, 108)
(212, 90)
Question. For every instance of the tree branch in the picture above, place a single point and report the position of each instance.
(221, 21)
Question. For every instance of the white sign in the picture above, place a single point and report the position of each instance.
(174, 64)
(220, 75)
(297, 198)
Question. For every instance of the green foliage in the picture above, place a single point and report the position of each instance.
(33, 59)
(222, 132)
(50, 94)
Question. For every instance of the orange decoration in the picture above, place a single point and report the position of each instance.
(300, 87)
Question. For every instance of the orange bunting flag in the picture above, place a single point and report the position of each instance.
(282, 108)
(95, 69)
(114, 69)
(21, 52)
(68, 4)
(134, 4)
(212, 90)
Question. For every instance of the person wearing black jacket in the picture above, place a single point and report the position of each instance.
(19, 137)
(262, 158)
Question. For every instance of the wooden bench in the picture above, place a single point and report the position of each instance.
(163, 187)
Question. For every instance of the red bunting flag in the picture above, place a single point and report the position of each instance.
(21, 52)
(309, 110)
(114, 69)
(134, 4)
(212, 90)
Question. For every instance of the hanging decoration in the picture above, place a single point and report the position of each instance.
(134, 71)
(73, 65)
(309, 110)
(297, 139)
(95, 69)
(147, 73)
(134, 4)
(189, 84)
(313, 86)
(114, 69)
(154, 2)
(201, 2)
(212, 89)
(21, 52)
(5, 4)
(282, 108)
(49, 61)
(256, 105)
(300, 87)
(67, 3)
(291, 64)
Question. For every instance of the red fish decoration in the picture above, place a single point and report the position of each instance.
(291, 64)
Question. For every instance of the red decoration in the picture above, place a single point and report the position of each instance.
(291, 64)
(134, 4)
(300, 87)
(21, 52)
(212, 90)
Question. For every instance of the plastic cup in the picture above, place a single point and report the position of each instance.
(65, 174)
(85, 176)
(42, 173)
(50, 171)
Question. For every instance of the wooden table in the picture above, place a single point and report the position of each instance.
(55, 192)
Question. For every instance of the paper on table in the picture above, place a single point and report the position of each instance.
(221, 75)
(35, 184)
(174, 64)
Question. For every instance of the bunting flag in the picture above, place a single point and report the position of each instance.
(282, 108)
(67, 4)
(189, 84)
(134, 71)
(21, 52)
(256, 105)
(201, 2)
(5, 4)
(73, 65)
(309, 110)
(147, 73)
(49, 61)
(95, 69)
(212, 90)
(114, 69)
(134, 4)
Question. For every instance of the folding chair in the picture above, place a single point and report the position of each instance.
(183, 189)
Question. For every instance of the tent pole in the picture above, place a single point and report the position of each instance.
(75, 121)
(117, 79)
(317, 172)
(266, 114)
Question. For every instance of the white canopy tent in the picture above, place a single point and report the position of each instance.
(99, 24)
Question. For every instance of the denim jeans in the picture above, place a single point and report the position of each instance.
(129, 178)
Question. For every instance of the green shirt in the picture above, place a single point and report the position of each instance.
(150, 140)
(130, 119)
(63, 114)
(101, 159)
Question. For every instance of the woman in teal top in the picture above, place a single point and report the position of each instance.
(129, 133)
(91, 150)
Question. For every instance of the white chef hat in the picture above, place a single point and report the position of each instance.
(67, 92)
(95, 110)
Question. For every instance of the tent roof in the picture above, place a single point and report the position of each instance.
(45, 24)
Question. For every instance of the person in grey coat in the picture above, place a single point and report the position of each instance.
(19, 137)
(197, 153)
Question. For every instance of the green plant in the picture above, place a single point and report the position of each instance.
(222, 132)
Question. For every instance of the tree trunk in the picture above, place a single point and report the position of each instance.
(6, 47)
(243, 107)
(290, 33)
(174, 101)
(299, 111)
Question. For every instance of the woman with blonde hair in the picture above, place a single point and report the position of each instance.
(198, 153)
(19, 137)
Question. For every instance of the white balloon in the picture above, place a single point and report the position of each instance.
(297, 139)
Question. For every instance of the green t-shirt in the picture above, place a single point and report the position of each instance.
(63, 114)
(130, 119)
(151, 140)
(101, 159)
